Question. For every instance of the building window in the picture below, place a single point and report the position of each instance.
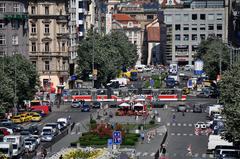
(15, 24)
(149, 17)
(168, 18)
(130, 24)
(80, 16)
(34, 47)
(47, 10)
(177, 27)
(202, 16)
(33, 10)
(47, 47)
(194, 48)
(63, 47)
(34, 63)
(194, 16)
(34, 29)
(46, 28)
(2, 53)
(62, 28)
(185, 37)
(194, 27)
(2, 7)
(64, 66)
(219, 16)
(202, 36)
(210, 16)
(2, 40)
(194, 37)
(16, 7)
(177, 37)
(202, 27)
(186, 17)
(47, 65)
(2, 24)
(185, 27)
(80, 4)
(219, 36)
(210, 27)
(219, 26)
(14, 53)
(178, 17)
(15, 40)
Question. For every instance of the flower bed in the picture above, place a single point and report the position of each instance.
(84, 153)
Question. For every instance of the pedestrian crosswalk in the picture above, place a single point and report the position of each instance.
(181, 124)
(173, 155)
(32, 124)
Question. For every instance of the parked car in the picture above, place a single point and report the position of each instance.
(54, 127)
(17, 119)
(25, 117)
(181, 108)
(64, 121)
(96, 104)
(76, 104)
(85, 108)
(197, 108)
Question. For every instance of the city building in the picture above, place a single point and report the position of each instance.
(13, 27)
(142, 11)
(188, 24)
(48, 40)
(156, 41)
(131, 27)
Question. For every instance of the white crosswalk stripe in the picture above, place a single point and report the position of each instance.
(184, 124)
(190, 124)
(145, 154)
(184, 134)
(138, 153)
(204, 155)
(152, 154)
(180, 124)
(196, 155)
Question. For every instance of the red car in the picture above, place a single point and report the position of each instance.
(4, 132)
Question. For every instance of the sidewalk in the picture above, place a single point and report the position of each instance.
(148, 150)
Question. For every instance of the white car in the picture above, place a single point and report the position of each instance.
(38, 140)
(200, 125)
(30, 144)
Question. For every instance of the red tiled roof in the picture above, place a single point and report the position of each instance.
(153, 34)
(123, 17)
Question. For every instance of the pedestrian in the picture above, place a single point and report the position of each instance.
(148, 137)
(61, 157)
(164, 150)
(189, 150)
(183, 113)
(174, 117)
(142, 137)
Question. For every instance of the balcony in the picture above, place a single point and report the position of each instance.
(63, 35)
(62, 19)
(80, 22)
(47, 55)
(81, 10)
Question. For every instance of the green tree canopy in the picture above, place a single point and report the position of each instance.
(111, 52)
(212, 51)
(230, 97)
(26, 80)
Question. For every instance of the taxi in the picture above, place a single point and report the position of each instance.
(26, 117)
(17, 119)
(36, 117)
(32, 113)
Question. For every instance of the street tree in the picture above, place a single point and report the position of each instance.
(215, 56)
(18, 80)
(109, 52)
(230, 97)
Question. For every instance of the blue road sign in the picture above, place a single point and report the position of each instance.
(117, 137)
(110, 142)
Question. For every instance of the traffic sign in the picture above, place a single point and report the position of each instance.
(117, 137)
(110, 143)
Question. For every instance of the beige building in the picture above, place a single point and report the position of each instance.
(48, 40)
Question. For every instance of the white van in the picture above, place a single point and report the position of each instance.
(6, 149)
(17, 143)
(64, 121)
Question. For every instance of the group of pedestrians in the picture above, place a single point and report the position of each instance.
(149, 136)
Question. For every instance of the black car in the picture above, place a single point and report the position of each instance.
(33, 129)
(197, 109)
(11, 125)
(96, 104)
(85, 108)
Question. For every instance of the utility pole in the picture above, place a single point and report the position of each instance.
(93, 58)
(220, 62)
(15, 86)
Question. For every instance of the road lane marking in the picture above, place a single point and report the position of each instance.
(178, 134)
(145, 154)
(190, 134)
(179, 124)
(152, 154)
(195, 155)
(160, 134)
(138, 153)
(211, 156)
(172, 133)
(184, 124)
(173, 124)
(204, 155)
(190, 124)
(184, 134)
(168, 124)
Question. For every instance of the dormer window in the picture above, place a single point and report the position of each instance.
(130, 24)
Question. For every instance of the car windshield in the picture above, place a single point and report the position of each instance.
(46, 133)
(28, 143)
(182, 106)
(46, 130)
(51, 125)
(24, 133)
(85, 106)
(36, 115)
(75, 102)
